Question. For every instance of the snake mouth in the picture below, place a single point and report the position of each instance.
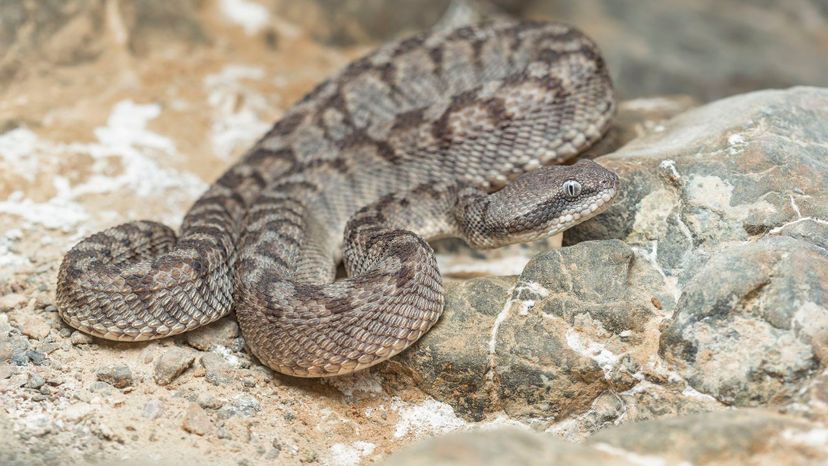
(590, 207)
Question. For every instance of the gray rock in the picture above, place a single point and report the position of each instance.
(243, 405)
(153, 409)
(742, 436)
(118, 375)
(729, 202)
(498, 447)
(758, 331)
(547, 346)
(102, 387)
(171, 364)
(709, 49)
(451, 361)
(35, 381)
(223, 332)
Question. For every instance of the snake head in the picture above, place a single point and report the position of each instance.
(543, 202)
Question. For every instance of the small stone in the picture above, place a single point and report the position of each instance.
(20, 358)
(208, 401)
(171, 364)
(35, 381)
(217, 371)
(36, 357)
(153, 409)
(117, 375)
(12, 301)
(243, 405)
(34, 326)
(101, 387)
(196, 420)
(220, 333)
(80, 338)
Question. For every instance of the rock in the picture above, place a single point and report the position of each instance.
(722, 51)
(25, 357)
(547, 346)
(35, 381)
(501, 446)
(208, 401)
(12, 301)
(734, 437)
(196, 420)
(118, 375)
(242, 405)
(153, 409)
(452, 360)
(102, 387)
(223, 332)
(729, 209)
(11, 346)
(216, 369)
(758, 332)
(80, 338)
(171, 364)
(33, 326)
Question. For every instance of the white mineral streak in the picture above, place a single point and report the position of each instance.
(124, 138)
(426, 418)
(236, 108)
(593, 350)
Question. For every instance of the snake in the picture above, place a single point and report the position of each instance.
(461, 133)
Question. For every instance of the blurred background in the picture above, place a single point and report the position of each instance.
(704, 48)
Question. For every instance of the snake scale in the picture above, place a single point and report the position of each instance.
(451, 133)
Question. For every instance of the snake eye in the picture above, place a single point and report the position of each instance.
(572, 188)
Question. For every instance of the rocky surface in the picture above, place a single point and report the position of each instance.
(687, 323)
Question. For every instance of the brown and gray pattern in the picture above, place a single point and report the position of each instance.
(409, 143)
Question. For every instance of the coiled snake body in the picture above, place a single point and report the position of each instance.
(411, 142)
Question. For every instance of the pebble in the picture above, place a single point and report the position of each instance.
(80, 338)
(35, 381)
(36, 357)
(102, 388)
(243, 405)
(153, 409)
(171, 364)
(220, 333)
(196, 420)
(12, 301)
(23, 358)
(216, 368)
(34, 326)
(208, 401)
(119, 375)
